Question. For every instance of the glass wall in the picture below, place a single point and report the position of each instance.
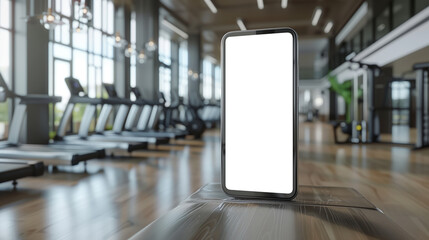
(400, 99)
(85, 54)
(218, 84)
(207, 79)
(420, 5)
(393, 14)
(133, 61)
(183, 69)
(382, 24)
(401, 11)
(165, 66)
(5, 60)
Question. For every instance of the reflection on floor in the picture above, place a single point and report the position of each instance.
(400, 134)
(118, 197)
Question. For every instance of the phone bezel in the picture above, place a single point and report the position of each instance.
(263, 195)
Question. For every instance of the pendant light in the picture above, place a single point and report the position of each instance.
(85, 13)
(141, 57)
(50, 20)
(130, 51)
(151, 46)
(119, 41)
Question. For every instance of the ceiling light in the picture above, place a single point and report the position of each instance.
(78, 27)
(195, 76)
(260, 4)
(351, 24)
(328, 27)
(211, 59)
(316, 16)
(130, 51)
(50, 20)
(119, 41)
(284, 3)
(85, 13)
(241, 25)
(210, 4)
(350, 56)
(151, 46)
(141, 58)
(175, 29)
(381, 27)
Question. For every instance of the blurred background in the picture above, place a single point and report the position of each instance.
(363, 103)
(173, 47)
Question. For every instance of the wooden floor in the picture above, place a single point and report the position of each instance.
(119, 196)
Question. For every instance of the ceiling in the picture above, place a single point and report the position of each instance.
(196, 16)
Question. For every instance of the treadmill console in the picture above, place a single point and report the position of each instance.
(74, 86)
(136, 92)
(110, 89)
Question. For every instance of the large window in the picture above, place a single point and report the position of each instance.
(183, 69)
(218, 84)
(400, 100)
(165, 66)
(86, 54)
(133, 67)
(207, 79)
(5, 60)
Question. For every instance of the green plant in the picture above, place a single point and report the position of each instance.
(345, 91)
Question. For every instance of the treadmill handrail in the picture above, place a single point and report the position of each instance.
(86, 100)
(38, 99)
(117, 101)
(26, 99)
(142, 102)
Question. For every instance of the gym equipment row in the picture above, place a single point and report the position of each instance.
(21, 160)
(365, 117)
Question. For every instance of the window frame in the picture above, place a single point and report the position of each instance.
(91, 54)
(11, 58)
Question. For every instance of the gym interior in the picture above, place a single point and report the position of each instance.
(110, 120)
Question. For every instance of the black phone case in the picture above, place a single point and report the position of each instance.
(263, 195)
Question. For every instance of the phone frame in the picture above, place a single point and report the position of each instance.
(263, 195)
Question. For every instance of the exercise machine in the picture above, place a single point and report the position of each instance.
(188, 116)
(120, 118)
(49, 154)
(366, 127)
(112, 144)
(12, 170)
(422, 104)
(145, 115)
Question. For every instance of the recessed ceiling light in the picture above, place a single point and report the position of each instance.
(260, 4)
(350, 25)
(175, 29)
(316, 16)
(241, 25)
(381, 27)
(211, 6)
(328, 27)
(284, 3)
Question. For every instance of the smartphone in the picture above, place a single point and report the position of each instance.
(259, 122)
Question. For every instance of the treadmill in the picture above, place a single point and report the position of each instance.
(143, 117)
(121, 116)
(11, 170)
(112, 144)
(48, 154)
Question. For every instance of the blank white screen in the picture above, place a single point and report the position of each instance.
(259, 113)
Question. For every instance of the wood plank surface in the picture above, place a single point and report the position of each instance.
(117, 197)
(316, 213)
